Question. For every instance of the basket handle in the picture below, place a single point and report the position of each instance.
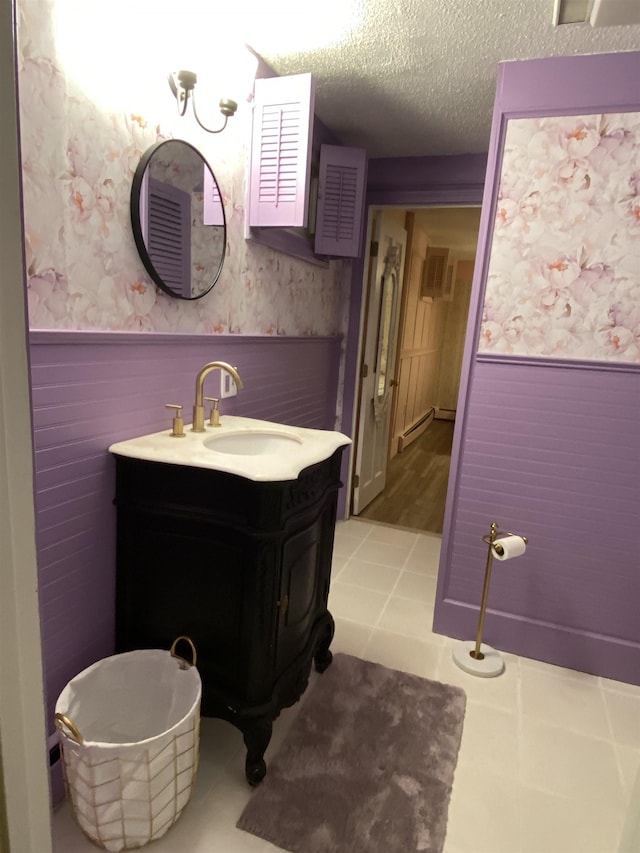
(194, 655)
(63, 721)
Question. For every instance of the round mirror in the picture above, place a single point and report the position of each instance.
(178, 219)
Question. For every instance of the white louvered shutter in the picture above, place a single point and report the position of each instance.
(281, 151)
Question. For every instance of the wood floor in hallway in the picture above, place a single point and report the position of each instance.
(416, 487)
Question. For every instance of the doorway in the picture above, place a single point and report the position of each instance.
(427, 343)
(379, 340)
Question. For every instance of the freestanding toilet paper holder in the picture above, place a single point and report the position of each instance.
(475, 658)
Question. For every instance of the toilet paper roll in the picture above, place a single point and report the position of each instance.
(508, 547)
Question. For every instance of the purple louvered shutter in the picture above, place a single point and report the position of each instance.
(168, 237)
(212, 213)
(341, 189)
(281, 151)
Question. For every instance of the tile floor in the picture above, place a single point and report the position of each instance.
(548, 757)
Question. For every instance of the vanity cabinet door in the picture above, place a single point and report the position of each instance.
(304, 587)
(176, 577)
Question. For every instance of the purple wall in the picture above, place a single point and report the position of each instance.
(548, 449)
(447, 179)
(550, 452)
(91, 389)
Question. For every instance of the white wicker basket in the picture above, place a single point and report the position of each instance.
(130, 733)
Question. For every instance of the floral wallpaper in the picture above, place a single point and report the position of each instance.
(78, 163)
(564, 271)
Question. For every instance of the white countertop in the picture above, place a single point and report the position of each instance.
(300, 448)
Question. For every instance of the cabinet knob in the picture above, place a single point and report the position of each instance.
(283, 605)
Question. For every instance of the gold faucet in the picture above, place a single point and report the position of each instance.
(198, 409)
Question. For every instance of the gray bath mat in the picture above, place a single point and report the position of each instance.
(367, 765)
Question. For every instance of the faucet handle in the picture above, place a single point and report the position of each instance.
(178, 423)
(214, 419)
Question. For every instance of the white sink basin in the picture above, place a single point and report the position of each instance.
(257, 450)
(253, 442)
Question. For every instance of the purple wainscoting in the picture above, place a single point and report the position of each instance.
(407, 182)
(591, 575)
(92, 389)
(552, 453)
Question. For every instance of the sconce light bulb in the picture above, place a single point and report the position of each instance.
(187, 80)
(228, 107)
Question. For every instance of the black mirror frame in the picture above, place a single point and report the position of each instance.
(136, 187)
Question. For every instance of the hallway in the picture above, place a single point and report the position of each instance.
(417, 479)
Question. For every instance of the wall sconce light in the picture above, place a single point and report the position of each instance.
(182, 84)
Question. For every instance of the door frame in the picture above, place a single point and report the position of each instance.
(24, 788)
(368, 286)
(439, 181)
(365, 285)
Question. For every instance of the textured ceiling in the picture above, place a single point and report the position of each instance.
(417, 77)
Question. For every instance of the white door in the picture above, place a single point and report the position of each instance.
(378, 358)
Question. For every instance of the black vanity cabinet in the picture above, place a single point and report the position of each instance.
(240, 567)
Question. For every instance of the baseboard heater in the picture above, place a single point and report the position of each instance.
(445, 414)
(416, 430)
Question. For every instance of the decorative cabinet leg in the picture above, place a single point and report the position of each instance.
(257, 735)
(323, 656)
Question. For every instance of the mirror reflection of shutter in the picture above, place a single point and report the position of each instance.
(169, 235)
(213, 212)
(281, 151)
(435, 272)
(341, 187)
(450, 282)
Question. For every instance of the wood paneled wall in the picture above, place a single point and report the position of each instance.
(420, 341)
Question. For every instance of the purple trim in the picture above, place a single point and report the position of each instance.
(295, 244)
(39, 337)
(438, 197)
(400, 180)
(547, 361)
(569, 83)
(555, 644)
